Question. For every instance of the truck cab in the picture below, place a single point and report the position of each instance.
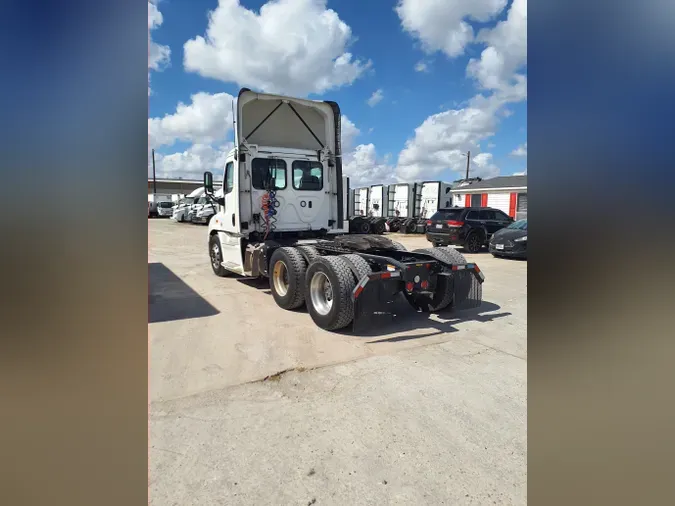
(283, 179)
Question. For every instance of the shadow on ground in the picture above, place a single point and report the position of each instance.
(170, 298)
(402, 317)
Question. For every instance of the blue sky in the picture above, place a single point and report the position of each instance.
(470, 95)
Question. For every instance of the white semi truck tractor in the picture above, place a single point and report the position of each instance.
(283, 216)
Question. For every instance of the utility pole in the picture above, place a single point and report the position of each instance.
(468, 159)
(154, 179)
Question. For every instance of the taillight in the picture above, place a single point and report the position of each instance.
(453, 223)
(428, 222)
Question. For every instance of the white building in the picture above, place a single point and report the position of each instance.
(507, 193)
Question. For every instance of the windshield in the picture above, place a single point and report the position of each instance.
(518, 225)
(202, 200)
(447, 214)
(165, 205)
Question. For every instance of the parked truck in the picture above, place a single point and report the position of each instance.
(283, 216)
(403, 207)
(159, 205)
(359, 221)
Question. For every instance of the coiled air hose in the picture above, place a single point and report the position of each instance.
(268, 206)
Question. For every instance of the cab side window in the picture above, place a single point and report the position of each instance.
(229, 178)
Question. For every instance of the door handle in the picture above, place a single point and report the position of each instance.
(233, 219)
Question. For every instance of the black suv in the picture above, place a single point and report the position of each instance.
(470, 227)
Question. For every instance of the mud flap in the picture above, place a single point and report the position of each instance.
(467, 281)
(375, 300)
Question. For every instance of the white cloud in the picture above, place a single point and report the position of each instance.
(348, 133)
(491, 145)
(294, 47)
(482, 165)
(421, 66)
(375, 98)
(506, 53)
(520, 151)
(523, 173)
(441, 25)
(364, 168)
(207, 119)
(441, 141)
(193, 162)
(159, 56)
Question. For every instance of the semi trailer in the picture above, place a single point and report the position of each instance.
(404, 207)
(283, 216)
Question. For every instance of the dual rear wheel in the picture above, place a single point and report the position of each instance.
(324, 283)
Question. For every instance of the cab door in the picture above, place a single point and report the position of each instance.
(308, 184)
(227, 220)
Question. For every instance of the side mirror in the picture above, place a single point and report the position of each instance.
(208, 183)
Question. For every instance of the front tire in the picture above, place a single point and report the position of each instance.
(216, 255)
(329, 284)
(287, 276)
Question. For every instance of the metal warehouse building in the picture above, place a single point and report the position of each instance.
(175, 186)
(507, 193)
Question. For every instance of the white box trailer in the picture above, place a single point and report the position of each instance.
(282, 214)
(435, 195)
(378, 198)
(403, 207)
(404, 200)
(361, 201)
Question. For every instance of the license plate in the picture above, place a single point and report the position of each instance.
(440, 225)
(499, 246)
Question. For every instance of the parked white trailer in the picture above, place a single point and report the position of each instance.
(378, 197)
(404, 200)
(435, 195)
(282, 216)
(361, 201)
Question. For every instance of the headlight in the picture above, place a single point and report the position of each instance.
(521, 239)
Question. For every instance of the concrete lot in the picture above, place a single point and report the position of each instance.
(422, 410)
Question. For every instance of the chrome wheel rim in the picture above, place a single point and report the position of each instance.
(321, 293)
(280, 278)
(215, 256)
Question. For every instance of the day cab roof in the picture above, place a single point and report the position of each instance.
(266, 119)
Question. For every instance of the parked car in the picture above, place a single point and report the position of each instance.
(510, 241)
(469, 227)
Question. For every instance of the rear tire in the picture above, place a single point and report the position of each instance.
(329, 284)
(216, 255)
(309, 252)
(474, 242)
(363, 227)
(410, 227)
(287, 275)
(379, 227)
(359, 266)
(398, 246)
